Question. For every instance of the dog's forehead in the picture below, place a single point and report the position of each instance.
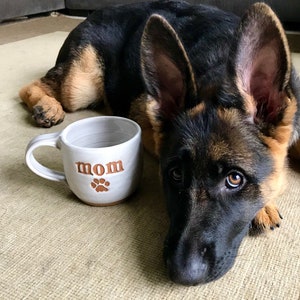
(218, 135)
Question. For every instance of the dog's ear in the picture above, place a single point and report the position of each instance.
(260, 60)
(166, 69)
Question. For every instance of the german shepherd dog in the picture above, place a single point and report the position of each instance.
(216, 97)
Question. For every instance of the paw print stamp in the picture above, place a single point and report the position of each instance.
(100, 185)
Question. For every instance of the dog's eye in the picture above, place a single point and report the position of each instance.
(176, 174)
(234, 180)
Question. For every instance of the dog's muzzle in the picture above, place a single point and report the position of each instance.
(190, 262)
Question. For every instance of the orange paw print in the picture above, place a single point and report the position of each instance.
(100, 185)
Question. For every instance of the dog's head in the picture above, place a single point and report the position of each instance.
(222, 153)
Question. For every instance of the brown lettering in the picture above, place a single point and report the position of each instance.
(114, 167)
(84, 168)
(98, 169)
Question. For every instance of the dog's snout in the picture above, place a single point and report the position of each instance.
(189, 269)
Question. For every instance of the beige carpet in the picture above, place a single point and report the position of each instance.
(54, 247)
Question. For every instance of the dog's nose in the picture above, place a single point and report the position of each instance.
(190, 270)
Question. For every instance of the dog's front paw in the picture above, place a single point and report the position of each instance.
(48, 112)
(267, 218)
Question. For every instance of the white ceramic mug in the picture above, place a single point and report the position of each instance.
(102, 158)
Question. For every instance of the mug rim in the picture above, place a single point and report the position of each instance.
(70, 127)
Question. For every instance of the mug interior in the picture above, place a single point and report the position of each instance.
(100, 132)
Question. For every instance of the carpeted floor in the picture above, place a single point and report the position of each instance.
(54, 247)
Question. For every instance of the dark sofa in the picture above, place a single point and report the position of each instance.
(10, 9)
(288, 10)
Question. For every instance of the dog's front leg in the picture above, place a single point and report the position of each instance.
(46, 110)
(268, 217)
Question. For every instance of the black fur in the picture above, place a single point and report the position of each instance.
(116, 33)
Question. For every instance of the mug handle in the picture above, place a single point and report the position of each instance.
(49, 139)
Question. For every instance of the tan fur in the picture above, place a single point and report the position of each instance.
(144, 110)
(197, 109)
(40, 96)
(268, 217)
(32, 93)
(152, 113)
(138, 112)
(84, 83)
(274, 185)
(219, 150)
